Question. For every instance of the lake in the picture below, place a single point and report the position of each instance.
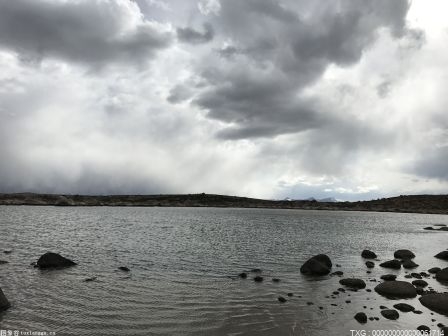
(184, 264)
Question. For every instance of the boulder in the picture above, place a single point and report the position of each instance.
(437, 302)
(317, 265)
(353, 283)
(404, 307)
(361, 317)
(53, 260)
(396, 289)
(393, 264)
(4, 303)
(420, 283)
(370, 264)
(416, 275)
(442, 275)
(243, 275)
(404, 254)
(390, 314)
(408, 264)
(442, 255)
(258, 278)
(388, 277)
(368, 254)
(434, 270)
(425, 329)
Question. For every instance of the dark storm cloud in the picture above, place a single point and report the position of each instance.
(278, 50)
(189, 35)
(93, 32)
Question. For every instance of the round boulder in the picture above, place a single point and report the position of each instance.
(54, 260)
(434, 270)
(4, 303)
(420, 283)
(361, 317)
(390, 314)
(388, 277)
(442, 275)
(317, 265)
(396, 289)
(353, 283)
(442, 255)
(437, 302)
(404, 254)
(367, 254)
(393, 264)
(404, 307)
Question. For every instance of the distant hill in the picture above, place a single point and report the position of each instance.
(436, 204)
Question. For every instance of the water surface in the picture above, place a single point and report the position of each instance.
(183, 265)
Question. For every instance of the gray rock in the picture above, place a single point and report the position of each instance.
(390, 314)
(370, 264)
(393, 264)
(317, 265)
(420, 283)
(361, 317)
(124, 269)
(437, 302)
(53, 260)
(404, 307)
(353, 283)
(408, 264)
(442, 255)
(258, 279)
(442, 275)
(388, 277)
(424, 328)
(338, 273)
(396, 289)
(434, 270)
(4, 303)
(368, 254)
(281, 299)
(404, 254)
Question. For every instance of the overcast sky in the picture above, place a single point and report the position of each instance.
(261, 98)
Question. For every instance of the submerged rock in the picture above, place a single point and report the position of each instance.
(317, 265)
(404, 254)
(4, 303)
(281, 299)
(53, 260)
(243, 275)
(361, 317)
(258, 278)
(396, 289)
(437, 302)
(404, 307)
(442, 255)
(367, 254)
(124, 269)
(353, 283)
(393, 264)
(390, 314)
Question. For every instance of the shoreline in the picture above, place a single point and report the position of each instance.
(421, 204)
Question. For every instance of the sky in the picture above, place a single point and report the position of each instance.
(258, 98)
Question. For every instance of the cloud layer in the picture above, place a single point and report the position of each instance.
(263, 98)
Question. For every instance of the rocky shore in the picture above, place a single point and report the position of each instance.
(431, 204)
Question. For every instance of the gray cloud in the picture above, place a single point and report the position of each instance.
(189, 35)
(93, 32)
(283, 48)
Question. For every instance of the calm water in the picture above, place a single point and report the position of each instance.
(181, 260)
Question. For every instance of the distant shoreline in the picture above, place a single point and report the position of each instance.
(425, 204)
